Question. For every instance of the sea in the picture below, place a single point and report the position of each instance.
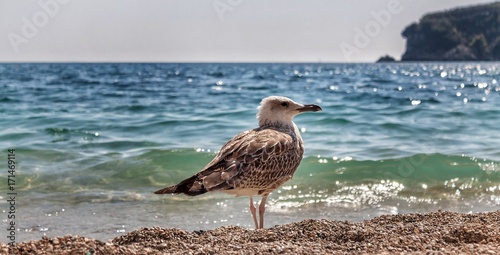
(91, 142)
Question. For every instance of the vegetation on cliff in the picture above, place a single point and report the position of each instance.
(470, 33)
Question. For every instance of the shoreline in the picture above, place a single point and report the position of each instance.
(440, 232)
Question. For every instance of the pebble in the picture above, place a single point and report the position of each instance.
(420, 233)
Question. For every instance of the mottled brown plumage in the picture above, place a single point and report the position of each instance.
(254, 162)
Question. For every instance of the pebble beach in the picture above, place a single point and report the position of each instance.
(438, 232)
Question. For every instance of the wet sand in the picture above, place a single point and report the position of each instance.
(428, 233)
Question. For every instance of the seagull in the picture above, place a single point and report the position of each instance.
(254, 162)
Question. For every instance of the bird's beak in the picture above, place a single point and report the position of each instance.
(309, 108)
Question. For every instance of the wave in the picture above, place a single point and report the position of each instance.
(419, 168)
(143, 170)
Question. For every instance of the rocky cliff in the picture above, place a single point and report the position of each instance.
(470, 33)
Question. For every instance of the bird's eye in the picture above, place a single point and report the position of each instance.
(284, 104)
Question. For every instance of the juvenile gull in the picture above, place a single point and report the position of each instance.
(257, 161)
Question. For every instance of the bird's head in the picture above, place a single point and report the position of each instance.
(277, 110)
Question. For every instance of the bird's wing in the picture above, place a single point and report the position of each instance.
(250, 148)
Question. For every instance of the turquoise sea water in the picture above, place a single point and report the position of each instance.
(93, 141)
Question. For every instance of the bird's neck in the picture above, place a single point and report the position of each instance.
(277, 120)
(287, 124)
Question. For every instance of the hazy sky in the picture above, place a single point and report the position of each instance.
(209, 30)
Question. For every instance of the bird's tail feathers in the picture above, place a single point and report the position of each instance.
(192, 186)
(167, 190)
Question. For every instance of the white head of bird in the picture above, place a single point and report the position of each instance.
(277, 110)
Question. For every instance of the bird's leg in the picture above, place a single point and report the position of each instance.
(262, 209)
(252, 210)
